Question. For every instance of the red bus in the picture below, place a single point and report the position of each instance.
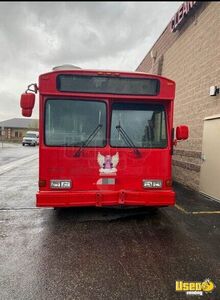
(106, 138)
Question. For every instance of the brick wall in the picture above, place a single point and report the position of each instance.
(191, 57)
(10, 134)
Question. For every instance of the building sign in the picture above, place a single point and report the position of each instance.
(181, 14)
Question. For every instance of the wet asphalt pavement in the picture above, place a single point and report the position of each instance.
(100, 253)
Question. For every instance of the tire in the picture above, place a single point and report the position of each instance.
(23, 144)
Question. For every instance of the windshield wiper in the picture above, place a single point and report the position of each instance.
(88, 140)
(128, 140)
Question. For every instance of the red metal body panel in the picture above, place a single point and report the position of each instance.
(106, 198)
(59, 162)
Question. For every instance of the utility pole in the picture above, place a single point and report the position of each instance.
(2, 133)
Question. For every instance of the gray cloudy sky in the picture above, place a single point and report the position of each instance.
(36, 36)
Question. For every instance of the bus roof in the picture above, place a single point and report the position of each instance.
(49, 82)
(78, 70)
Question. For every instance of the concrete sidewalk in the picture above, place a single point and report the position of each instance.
(194, 202)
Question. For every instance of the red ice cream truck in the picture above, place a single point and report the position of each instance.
(106, 138)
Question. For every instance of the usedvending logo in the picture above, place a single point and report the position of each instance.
(195, 288)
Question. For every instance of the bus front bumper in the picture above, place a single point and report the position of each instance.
(105, 198)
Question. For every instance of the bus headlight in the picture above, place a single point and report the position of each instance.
(60, 184)
(152, 184)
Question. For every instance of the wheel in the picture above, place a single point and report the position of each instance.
(23, 144)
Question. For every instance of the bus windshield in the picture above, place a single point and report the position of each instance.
(70, 122)
(145, 125)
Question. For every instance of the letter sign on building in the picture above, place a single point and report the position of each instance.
(181, 14)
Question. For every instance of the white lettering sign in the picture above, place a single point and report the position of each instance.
(181, 14)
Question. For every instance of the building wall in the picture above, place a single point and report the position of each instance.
(191, 57)
(15, 134)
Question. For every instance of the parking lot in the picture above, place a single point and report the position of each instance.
(100, 253)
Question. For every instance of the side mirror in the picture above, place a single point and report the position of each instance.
(182, 132)
(27, 104)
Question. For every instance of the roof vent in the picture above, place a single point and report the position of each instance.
(66, 67)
